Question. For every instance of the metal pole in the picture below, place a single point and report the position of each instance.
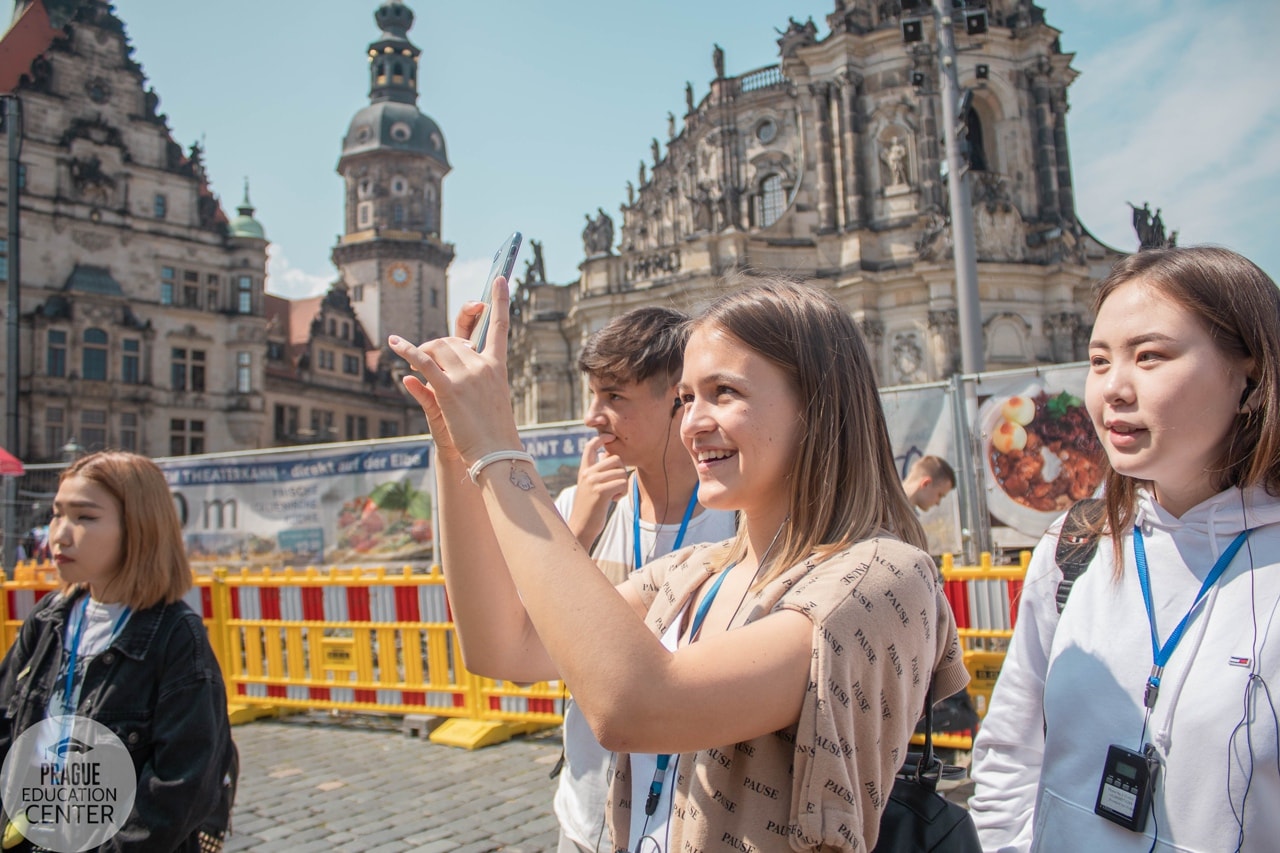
(12, 113)
(966, 262)
(971, 358)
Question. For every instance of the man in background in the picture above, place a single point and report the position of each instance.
(928, 482)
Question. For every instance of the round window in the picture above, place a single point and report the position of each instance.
(401, 132)
(766, 131)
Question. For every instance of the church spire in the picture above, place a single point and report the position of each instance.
(393, 59)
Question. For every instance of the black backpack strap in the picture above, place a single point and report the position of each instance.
(1077, 543)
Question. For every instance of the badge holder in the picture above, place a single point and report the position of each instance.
(1128, 781)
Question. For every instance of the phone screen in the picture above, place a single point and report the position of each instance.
(504, 261)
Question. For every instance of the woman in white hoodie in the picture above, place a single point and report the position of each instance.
(1184, 392)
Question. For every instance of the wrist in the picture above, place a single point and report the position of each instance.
(474, 470)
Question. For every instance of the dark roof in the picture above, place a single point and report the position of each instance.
(87, 279)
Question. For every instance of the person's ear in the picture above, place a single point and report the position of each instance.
(926, 482)
(1249, 398)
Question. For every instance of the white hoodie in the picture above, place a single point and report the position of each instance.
(1072, 685)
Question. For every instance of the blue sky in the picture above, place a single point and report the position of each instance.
(547, 109)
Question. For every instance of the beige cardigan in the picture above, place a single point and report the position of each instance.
(880, 626)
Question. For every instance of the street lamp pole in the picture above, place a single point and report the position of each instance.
(12, 117)
(970, 315)
(975, 523)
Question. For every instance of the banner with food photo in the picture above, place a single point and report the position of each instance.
(347, 504)
(1039, 451)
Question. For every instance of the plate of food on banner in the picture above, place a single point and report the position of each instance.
(1040, 454)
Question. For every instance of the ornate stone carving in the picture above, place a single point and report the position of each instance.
(1061, 328)
(908, 358)
(934, 243)
(90, 240)
(893, 156)
(597, 234)
(652, 265)
(944, 323)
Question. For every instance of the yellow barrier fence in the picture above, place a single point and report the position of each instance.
(379, 641)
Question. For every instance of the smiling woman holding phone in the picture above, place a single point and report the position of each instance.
(759, 692)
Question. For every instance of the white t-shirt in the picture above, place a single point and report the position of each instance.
(584, 781)
(102, 622)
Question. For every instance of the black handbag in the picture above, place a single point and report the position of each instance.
(917, 819)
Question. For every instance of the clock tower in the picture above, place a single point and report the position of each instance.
(393, 162)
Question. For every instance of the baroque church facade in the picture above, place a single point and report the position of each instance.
(827, 166)
(145, 323)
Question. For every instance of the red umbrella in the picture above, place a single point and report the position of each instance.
(10, 465)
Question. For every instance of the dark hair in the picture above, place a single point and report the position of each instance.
(154, 567)
(639, 345)
(844, 487)
(1239, 305)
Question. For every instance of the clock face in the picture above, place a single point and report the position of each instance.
(398, 274)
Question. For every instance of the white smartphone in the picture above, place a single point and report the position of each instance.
(504, 261)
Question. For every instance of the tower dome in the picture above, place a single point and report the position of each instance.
(392, 120)
(244, 225)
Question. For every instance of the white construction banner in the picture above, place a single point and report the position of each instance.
(323, 505)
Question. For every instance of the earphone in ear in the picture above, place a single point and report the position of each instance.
(675, 407)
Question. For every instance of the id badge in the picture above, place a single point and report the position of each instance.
(1128, 782)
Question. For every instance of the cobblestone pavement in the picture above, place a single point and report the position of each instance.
(312, 782)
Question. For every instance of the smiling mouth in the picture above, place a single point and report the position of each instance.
(713, 455)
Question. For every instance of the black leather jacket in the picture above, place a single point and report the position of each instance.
(159, 689)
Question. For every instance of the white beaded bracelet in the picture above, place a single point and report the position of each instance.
(497, 456)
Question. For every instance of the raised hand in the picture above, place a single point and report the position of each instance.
(465, 394)
(602, 479)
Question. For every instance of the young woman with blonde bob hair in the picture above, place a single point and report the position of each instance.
(117, 645)
(1163, 659)
(759, 692)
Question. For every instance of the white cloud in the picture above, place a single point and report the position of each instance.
(466, 282)
(288, 281)
(1181, 114)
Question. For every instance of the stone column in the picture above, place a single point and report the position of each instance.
(1066, 193)
(1060, 328)
(1045, 156)
(821, 93)
(872, 329)
(945, 326)
(851, 135)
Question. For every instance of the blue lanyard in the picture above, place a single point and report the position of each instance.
(655, 787)
(638, 558)
(74, 650)
(1160, 654)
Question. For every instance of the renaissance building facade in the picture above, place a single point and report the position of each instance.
(828, 166)
(145, 323)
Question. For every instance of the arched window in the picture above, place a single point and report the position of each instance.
(977, 147)
(770, 202)
(93, 359)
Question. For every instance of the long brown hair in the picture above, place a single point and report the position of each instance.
(1239, 305)
(154, 567)
(844, 486)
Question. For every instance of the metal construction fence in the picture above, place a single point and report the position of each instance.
(380, 641)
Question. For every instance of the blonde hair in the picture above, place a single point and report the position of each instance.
(844, 486)
(153, 566)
